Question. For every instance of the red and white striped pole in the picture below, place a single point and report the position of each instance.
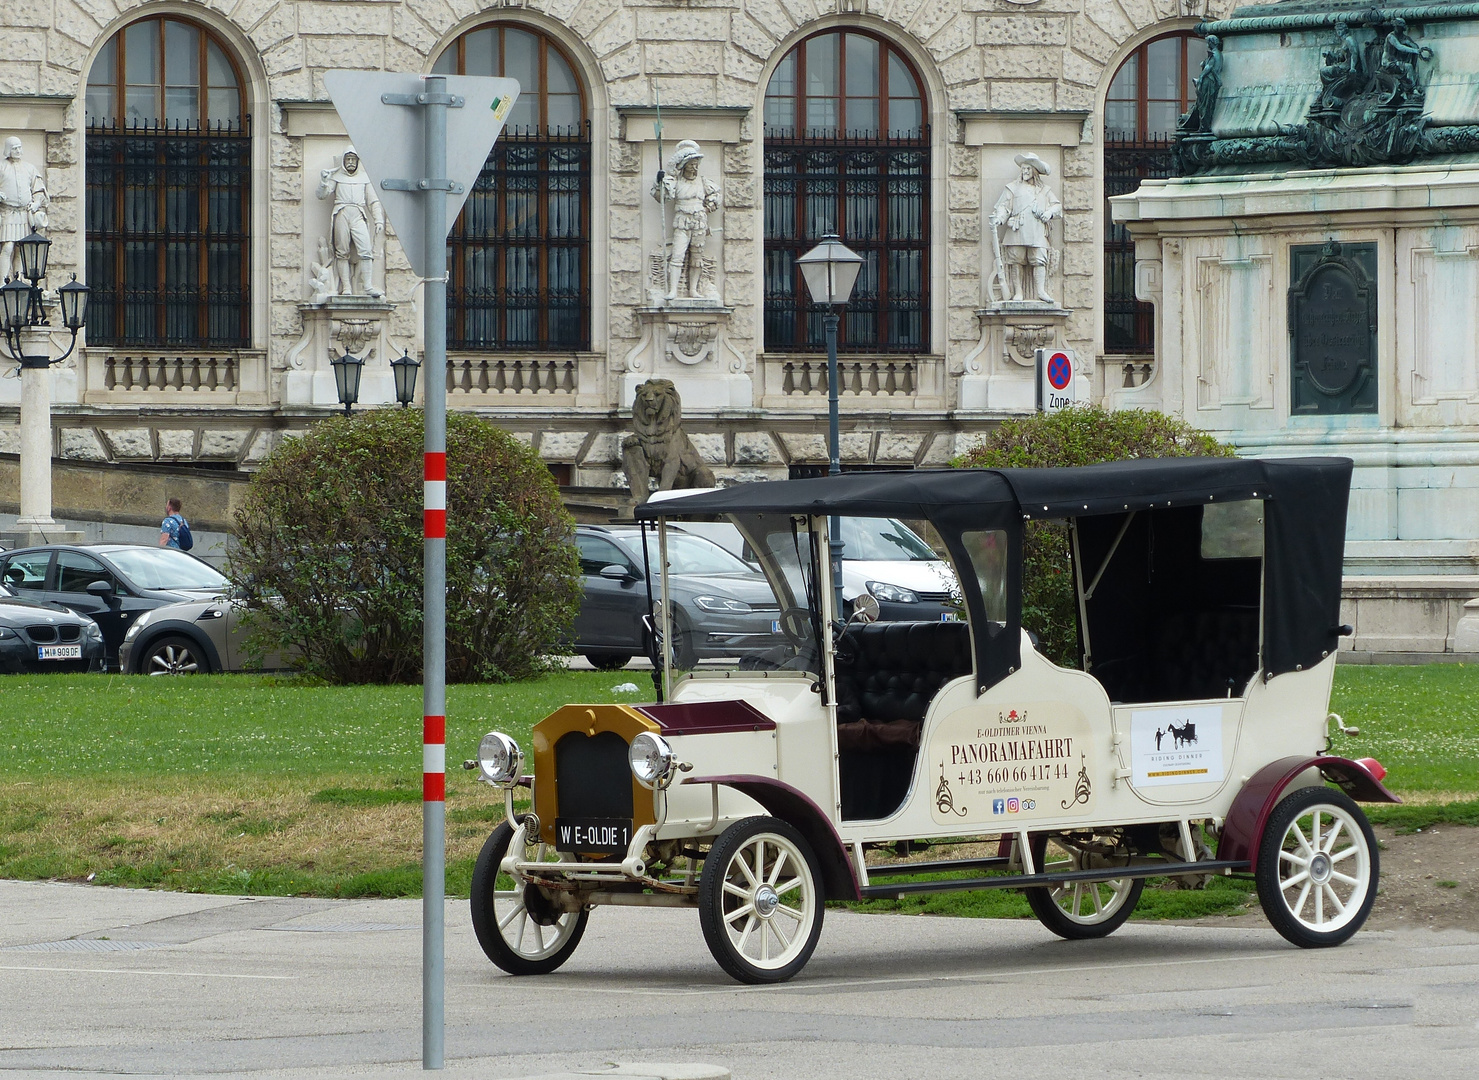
(434, 588)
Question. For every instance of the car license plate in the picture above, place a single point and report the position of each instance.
(59, 652)
(607, 836)
(950, 616)
(775, 626)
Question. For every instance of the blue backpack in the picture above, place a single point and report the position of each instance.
(183, 537)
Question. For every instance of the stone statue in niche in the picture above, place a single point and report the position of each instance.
(357, 211)
(694, 198)
(1025, 207)
(659, 448)
(321, 284)
(23, 202)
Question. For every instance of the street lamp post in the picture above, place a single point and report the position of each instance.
(28, 343)
(830, 271)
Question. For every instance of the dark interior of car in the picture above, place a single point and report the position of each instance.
(1164, 622)
(887, 675)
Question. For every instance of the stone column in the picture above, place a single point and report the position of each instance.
(35, 524)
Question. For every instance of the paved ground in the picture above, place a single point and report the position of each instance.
(112, 981)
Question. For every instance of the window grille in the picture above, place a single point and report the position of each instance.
(168, 252)
(519, 255)
(1129, 324)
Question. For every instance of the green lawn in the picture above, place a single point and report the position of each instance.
(260, 784)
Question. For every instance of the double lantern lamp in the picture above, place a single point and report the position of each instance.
(21, 304)
(347, 371)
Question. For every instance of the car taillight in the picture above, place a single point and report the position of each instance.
(1374, 767)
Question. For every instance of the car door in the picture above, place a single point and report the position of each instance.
(611, 608)
(26, 573)
(75, 571)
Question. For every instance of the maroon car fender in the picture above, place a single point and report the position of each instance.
(1250, 811)
(839, 880)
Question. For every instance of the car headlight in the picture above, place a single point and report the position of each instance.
(91, 629)
(652, 760)
(6, 632)
(892, 594)
(500, 760)
(722, 604)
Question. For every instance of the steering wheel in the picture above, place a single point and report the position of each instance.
(795, 623)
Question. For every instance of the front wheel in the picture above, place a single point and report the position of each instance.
(1317, 867)
(1079, 910)
(608, 661)
(174, 654)
(517, 926)
(760, 901)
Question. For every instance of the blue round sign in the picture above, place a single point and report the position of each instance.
(1060, 371)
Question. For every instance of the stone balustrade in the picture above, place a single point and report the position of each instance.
(229, 377)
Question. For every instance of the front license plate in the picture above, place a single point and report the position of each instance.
(59, 652)
(607, 836)
(775, 626)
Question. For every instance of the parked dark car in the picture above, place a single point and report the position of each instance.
(41, 637)
(722, 605)
(113, 584)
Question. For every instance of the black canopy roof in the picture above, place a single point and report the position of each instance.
(1304, 522)
(948, 494)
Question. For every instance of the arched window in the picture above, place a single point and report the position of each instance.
(519, 255)
(168, 199)
(847, 151)
(1151, 89)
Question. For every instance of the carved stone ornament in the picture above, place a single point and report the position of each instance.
(354, 334)
(357, 224)
(691, 342)
(23, 202)
(1022, 343)
(1369, 110)
(694, 199)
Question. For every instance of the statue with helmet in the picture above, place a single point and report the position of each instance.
(694, 198)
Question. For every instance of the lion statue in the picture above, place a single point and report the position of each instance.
(660, 448)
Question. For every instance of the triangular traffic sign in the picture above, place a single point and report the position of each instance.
(391, 143)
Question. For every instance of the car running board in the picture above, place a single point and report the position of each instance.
(1030, 881)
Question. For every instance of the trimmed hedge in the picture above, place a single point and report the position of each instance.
(329, 544)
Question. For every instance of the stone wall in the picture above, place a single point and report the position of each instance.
(1040, 69)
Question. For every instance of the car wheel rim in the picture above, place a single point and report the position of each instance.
(1324, 868)
(770, 902)
(173, 660)
(1088, 902)
(528, 936)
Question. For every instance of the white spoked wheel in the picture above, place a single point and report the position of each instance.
(760, 901)
(517, 926)
(1317, 867)
(1079, 909)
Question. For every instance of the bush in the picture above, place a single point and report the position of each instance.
(1082, 435)
(330, 538)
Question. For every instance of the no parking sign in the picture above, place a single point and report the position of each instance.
(1057, 379)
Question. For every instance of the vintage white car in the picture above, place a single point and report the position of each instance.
(1191, 740)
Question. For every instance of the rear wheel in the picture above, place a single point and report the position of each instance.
(517, 926)
(685, 651)
(174, 654)
(760, 901)
(608, 661)
(1079, 910)
(1317, 867)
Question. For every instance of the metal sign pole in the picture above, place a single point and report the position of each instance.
(434, 629)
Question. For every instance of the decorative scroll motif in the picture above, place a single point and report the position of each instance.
(354, 334)
(1024, 341)
(1369, 112)
(691, 342)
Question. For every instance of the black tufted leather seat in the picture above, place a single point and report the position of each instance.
(887, 674)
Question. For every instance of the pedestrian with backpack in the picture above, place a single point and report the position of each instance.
(174, 530)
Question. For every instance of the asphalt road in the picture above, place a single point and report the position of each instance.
(105, 981)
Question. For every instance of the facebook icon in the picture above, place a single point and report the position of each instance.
(998, 806)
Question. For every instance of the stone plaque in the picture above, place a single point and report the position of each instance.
(1332, 329)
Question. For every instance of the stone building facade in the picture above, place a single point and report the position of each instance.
(229, 350)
